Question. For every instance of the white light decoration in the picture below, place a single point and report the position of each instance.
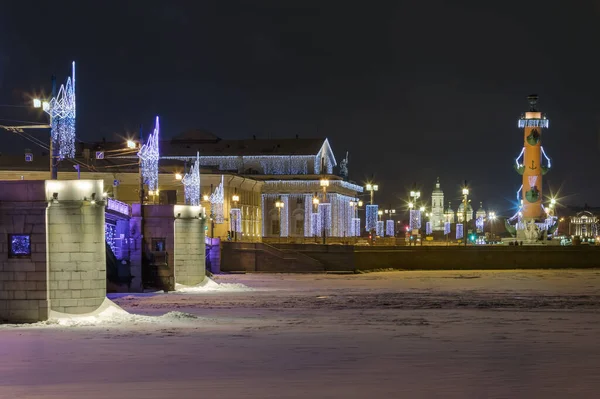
(315, 224)
(459, 231)
(310, 185)
(284, 220)
(325, 217)
(371, 218)
(109, 235)
(62, 111)
(479, 223)
(150, 154)
(355, 230)
(216, 204)
(543, 123)
(191, 184)
(546, 156)
(428, 228)
(446, 228)
(380, 229)
(415, 219)
(308, 206)
(519, 157)
(236, 220)
(389, 228)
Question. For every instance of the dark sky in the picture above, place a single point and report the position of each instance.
(413, 89)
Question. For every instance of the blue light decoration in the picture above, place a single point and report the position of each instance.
(415, 219)
(20, 245)
(284, 220)
(355, 227)
(428, 228)
(379, 230)
(216, 204)
(446, 228)
(62, 111)
(236, 220)
(389, 228)
(325, 217)
(371, 218)
(110, 231)
(459, 231)
(479, 223)
(150, 154)
(191, 184)
(543, 123)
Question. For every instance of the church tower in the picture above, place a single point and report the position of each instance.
(437, 208)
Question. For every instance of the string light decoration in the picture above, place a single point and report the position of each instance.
(379, 230)
(447, 226)
(390, 228)
(310, 185)
(284, 221)
(428, 228)
(236, 220)
(150, 154)
(216, 204)
(20, 245)
(315, 219)
(62, 111)
(355, 229)
(109, 235)
(459, 231)
(191, 184)
(479, 223)
(308, 205)
(543, 123)
(371, 218)
(415, 219)
(325, 213)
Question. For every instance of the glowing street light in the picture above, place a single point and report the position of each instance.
(131, 144)
(372, 188)
(205, 197)
(178, 176)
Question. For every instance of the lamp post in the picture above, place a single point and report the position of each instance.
(492, 217)
(236, 198)
(53, 149)
(372, 188)
(465, 193)
(324, 184)
(279, 205)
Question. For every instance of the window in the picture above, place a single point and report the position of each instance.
(20, 245)
(158, 245)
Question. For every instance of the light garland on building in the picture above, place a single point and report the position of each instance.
(216, 204)
(415, 219)
(390, 228)
(371, 218)
(236, 220)
(284, 220)
(308, 207)
(315, 224)
(355, 232)
(118, 206)
(479, 223)
(428, 228)
(543, 123)
(191, 184)
(150, 155)
(109, 235)
(379, 230)
(312, 185)
(325, 213)
(62, 111)
(447, 227)
(459, 231)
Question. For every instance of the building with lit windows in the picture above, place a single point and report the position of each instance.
(460, 214)
(584, 224)
(449, 215)
(257, 173)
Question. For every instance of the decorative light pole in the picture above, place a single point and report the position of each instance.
(372, 188)
(279, 205)
(492, 217)
(314, 225)
(465, 193)
(235, 198)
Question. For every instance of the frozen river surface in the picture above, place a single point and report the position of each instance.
(504, 334)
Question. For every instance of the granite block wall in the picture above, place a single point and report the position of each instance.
(190, 247)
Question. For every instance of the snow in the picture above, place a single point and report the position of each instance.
(467, 334)
(208, 285)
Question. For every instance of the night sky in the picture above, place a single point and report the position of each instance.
(413, 90)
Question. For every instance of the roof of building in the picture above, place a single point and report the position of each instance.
(437, 189)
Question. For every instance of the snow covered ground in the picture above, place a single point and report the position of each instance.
(467, 334)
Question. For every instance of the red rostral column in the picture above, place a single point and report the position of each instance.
(531, 168)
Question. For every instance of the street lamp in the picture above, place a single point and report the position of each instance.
(465, 193)
(324, 183)
(279, 205)
(235, 198)
(131, 144)
(492, 217)
(372, 188)
(178, 176)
